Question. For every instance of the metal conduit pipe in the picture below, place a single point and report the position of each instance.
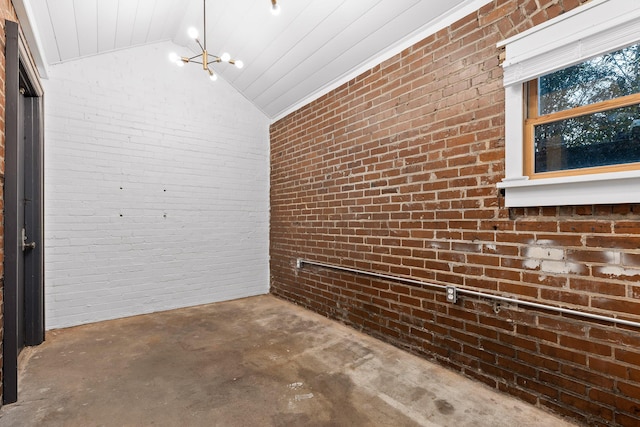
(461, 291)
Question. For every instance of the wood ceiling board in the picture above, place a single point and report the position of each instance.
(127, 11)
(86, 18)
(269, 31)
(310, 47)
(64, 29)
(253, 33)
(285, 31)
(107, 24)
(142, 24)
(167, 23)
(43, 23)
(162, 12)
(303, 39)
(293, 94)
(222, 32)
(343, 52)
(191, 16)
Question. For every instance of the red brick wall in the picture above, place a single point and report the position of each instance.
(6, 12)
(396, 172)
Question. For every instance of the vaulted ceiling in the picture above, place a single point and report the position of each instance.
(310, 47)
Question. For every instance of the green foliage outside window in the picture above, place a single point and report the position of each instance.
(608, 136)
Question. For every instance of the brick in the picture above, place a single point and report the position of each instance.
(627, 356)
(396, 171)
(586, 226)
(608, 367)
(613, 242)
(479, 353)
(589, 377)
(587, 406)
(538, 333)
(610, 335)
(128, 213)
(616, 305)
(563, 383)
(590, 256)
(540, 278)
(617, 272)
(597, 286)
(539, 388)
(518, 342)
(629, 390)
(565, 297)
(564, 354)
(627, 421)
(497, 372)
(630, 259)
(517, 289)
(537, 226)
(481, 331)
(627, 227)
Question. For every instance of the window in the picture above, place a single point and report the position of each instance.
(572, 108)
(585, 116)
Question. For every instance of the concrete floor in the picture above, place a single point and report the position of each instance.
(253, 362)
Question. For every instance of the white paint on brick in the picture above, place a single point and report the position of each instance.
(156, 188)
(538, 252)
(490, 248)
(617, 271)
(613, 257)
(531, 264)
(549, 260)
(561, 267)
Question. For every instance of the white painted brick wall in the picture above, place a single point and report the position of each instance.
(156, 188)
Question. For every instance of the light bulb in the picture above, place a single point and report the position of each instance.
(225, 57)
(275, 9)
(213, 77)
(173, 57)
(239, 64)
(193, 32)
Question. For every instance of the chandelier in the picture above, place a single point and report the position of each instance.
(204, 58)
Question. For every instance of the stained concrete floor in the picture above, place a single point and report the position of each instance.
(252, 362)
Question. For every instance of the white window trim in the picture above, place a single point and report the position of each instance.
(593, 29)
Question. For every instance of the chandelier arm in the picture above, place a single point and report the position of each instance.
(199, 44)
(194, 57)
(196, 62)
(215, 60)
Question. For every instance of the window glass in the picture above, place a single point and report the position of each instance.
(605, 77)
(586, 115)
(604, 138)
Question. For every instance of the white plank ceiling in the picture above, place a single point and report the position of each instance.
(312, 46)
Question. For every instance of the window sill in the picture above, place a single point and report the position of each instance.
(596, 189)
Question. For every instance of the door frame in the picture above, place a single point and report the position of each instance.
(19, 67)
